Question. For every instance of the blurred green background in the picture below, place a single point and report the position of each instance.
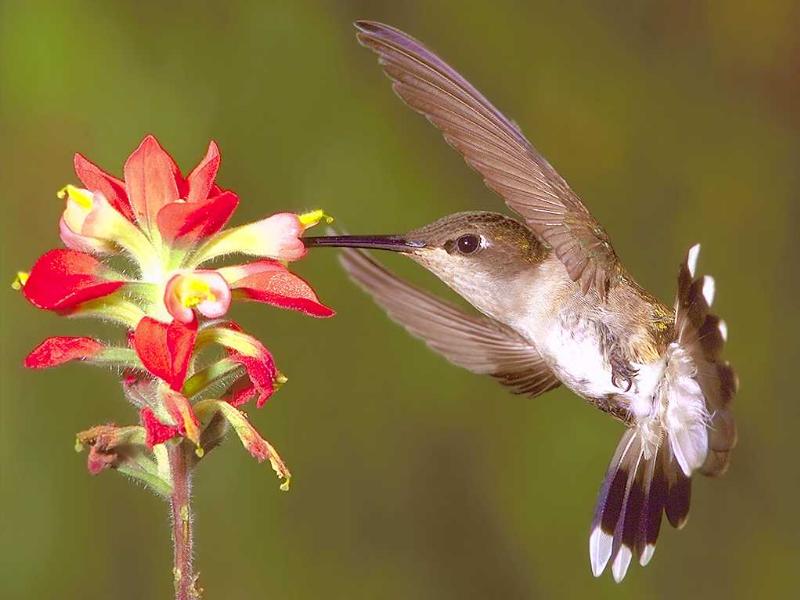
(677, 122)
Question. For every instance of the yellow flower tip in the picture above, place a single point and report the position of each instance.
(284, 487)
(199, 452)
(313, 217)
(281, 379)
(80, 196)
(192, 434)
(20, 280)
(78, 445)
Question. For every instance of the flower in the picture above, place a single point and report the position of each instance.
(207, 291)
(168, 228)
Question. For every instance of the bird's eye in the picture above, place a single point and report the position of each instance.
(469, 243)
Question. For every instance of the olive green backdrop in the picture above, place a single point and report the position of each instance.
(677, 122)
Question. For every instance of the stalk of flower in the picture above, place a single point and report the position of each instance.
(186, 370)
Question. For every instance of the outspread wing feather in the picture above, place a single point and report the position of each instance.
(496, 148)
(476, 343)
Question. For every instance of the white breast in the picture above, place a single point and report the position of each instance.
(574, 353)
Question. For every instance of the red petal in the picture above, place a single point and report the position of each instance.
(262, 373)
(272, 283)
(241, 392)
(165, 349)
(201, 179)
(151, 178)
(56, 351)
(157, 432)
(192, 221)
(97, 180)
(63, 278)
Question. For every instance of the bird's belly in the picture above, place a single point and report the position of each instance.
(578, 361)
(577, 358)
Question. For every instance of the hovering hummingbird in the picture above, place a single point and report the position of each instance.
(557, 308)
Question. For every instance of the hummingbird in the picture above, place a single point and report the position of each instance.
(555, 306)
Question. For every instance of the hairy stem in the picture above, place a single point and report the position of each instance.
(181, 523)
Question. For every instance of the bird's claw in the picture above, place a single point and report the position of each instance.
(622, 375)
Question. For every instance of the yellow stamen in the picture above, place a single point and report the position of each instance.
(194, 291)
(313, 217)
(80, 196)
(20, 280)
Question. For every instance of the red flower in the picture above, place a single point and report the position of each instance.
(201, 290)
(168, 227)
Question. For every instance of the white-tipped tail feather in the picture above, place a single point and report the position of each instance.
(600, 544)
(709, 289)
(634, 495)
(691, 259)
(689, 428)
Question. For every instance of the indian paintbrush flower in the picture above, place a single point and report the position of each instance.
(138, 252)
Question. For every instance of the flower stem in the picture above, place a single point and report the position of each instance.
(181, 523)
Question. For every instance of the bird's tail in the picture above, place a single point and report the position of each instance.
(692, 429)
(636, 491)
(702, 335)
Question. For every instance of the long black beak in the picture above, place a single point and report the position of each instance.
(394, 243)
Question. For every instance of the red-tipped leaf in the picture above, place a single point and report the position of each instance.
(187, 222)
(200, 181)
(97, 180)
(63, 278)
(151, 179)
(157, 432)
(269, 282)
(165, 349)
(55, 351)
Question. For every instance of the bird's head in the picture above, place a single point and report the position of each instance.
(481, 255)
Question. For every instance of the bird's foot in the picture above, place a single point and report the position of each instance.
(622, 374)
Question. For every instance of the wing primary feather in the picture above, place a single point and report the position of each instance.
(495, 147)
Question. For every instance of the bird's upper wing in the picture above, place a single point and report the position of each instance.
(495, 147)
(474, 342)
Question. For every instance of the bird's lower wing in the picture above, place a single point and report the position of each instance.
(474, 342)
